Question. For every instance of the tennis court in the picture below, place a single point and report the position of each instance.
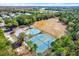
(43, 42)
(32, 31)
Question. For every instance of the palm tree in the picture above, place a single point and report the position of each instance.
(34, 48)
(21, 36)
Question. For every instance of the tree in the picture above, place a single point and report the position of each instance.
(7, 21)
(5, 48)
(63, 46)
(21, 36)
(29, 43)
(14, 23)
(8, 25)
(32, 46)
(28, 21)
(1, 20)
(23, 19)
(3, 41)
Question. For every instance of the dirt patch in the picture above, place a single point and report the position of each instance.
(52, 26)
(23, 51)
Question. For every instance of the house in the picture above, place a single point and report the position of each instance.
(27, 14)
(19, 30)
(12, 15)
(2, 24)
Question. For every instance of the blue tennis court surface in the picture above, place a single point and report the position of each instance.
(32, 31)
(43, 42)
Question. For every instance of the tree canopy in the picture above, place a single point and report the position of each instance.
(5, 47)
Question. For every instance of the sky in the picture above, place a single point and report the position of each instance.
(37, 2)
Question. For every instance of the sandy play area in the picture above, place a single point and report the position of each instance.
(51, 26)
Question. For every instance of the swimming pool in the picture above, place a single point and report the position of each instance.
(43, 42)
(32, 31)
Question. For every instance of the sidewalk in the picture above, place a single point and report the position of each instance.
(9, 38)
